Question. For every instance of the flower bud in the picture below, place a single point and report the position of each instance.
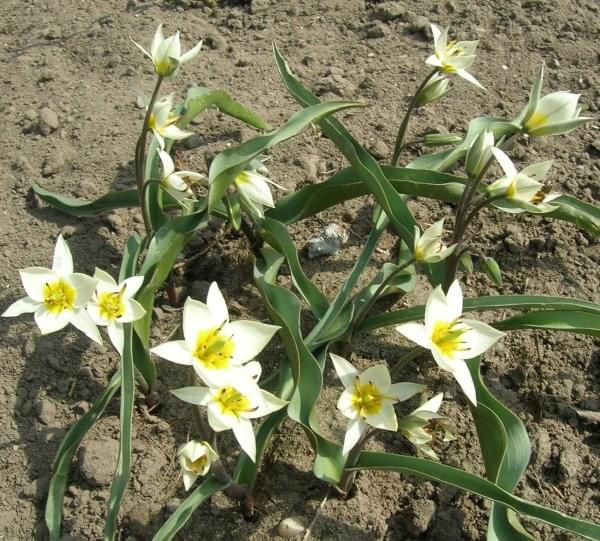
(195, 458)
(441, 139)
(437, 87)
(479, 154)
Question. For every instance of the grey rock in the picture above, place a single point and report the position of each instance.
(290, 528)
(98, 460)
(53, 164)
(29, 346)
(569, 463)
(68, 231)
(327, 242)
(48, 121)
(45, 411)
(388, 11)
(422, 513)
(375, 31)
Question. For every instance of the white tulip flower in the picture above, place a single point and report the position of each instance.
(113, 304)
(162, 123)
(428, 247)
(422, 427)
(232, 406)
(450, 338)
(554, 114)
(254, 191)
(453, 57)
(165, 53)
(368, 399)
(522, 190)
(57, 296)
(177, 183)
(195, 458)
(213, 345)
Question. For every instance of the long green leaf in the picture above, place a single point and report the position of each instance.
(557, 320)
(365, 166)
(278, 237)
(82, 207)
(66, 452)
(493, 302)
(435, 471)
(506, 450)
(182, 514)
(126, 419)
(230, 162)
(199, 98)
(346, 185)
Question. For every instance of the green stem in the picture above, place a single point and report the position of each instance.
(369, 304)
(410, 355)
(404, 125)
(140, 157)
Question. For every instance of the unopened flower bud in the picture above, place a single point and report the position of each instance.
(441, 139)
(436, 88)
(479, 154)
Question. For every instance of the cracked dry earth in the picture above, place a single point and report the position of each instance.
(69, 83)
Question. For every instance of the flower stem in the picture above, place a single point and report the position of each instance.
(140, 157)
(369, 304)
(404, 125)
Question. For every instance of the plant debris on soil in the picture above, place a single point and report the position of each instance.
(70, 82)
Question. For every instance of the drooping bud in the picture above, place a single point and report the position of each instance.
(437, 87)
(479, 154)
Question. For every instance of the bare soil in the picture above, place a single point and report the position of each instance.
(75, 59)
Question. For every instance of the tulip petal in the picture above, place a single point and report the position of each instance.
(468, 77)
(189, 478)
(479, 338)
(354, 431)
(416, 333)
(175, 351)
(244, 434)
(200, 396)
(345, 371)
(81, 320)
(62, 263)
(157, 40)
(404, 390)
(505, 162)
(432, 405)
(217, 421)
(270, 403)
(25, 305)
(536, 92)
(378, 375)
(175, 133)
(141, 49)
(217, 305)
(559, 128)
(196, 317)
(104, 277)
(168, 166)
(463, 376)
(132, 285)
(117, 337)
(537, 171)
(34, 279)
(84, 285)
(250, 338)
(186, 57)
(385, 418)
(345, 404)
(49, 322)
(133, 311)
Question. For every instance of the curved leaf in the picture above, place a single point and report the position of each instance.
(476, 485)
(199, 98)
(506, 450)
(493, 302)
(230, 162)
(583, 215)
(278, 237)
(182, 514)
(82, 207)
(66, 452)
(557, 320)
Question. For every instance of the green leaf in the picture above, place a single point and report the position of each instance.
(66, 452)
(347, 185)
(284, 308)
(333, 323)
(126, 419)
(492, 269)
(275, 233)
(506, 450)
(365, 166)
(199, 98)
(583, 215)
(494, 302)
(81, 207)
(185, 510)
(230, 162)
(435, 471)
(557, 320)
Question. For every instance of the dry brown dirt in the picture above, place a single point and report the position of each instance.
(75, 58)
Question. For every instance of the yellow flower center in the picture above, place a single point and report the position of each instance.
(59, 296)
(511, 191)
(197, 466)
(110, 305)
(232, 402)
(541, 194)
(367, 399)
(214, 350)
(447, 337)
(535, 121)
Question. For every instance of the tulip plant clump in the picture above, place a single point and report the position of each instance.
(227, 387)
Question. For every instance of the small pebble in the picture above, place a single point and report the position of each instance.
(48, 121)
(290, 527)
